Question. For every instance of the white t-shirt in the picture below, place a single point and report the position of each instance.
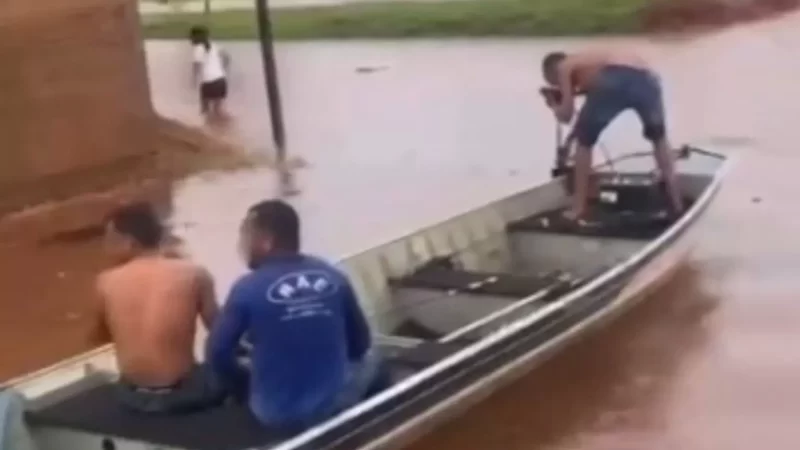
(212, 67)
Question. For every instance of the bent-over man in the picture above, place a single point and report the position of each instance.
(612, 83)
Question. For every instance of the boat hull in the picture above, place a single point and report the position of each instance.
(628, 292)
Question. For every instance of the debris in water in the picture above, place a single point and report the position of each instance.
(61, 275)
(73, 316)
(371, 69)
(756, 199)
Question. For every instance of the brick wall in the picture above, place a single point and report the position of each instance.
(74, 97)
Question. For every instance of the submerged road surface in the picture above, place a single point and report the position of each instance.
(443, 126)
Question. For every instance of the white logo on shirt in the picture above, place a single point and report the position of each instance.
(300, 287)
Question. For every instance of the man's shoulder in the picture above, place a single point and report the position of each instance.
(318, 261)
(106, 277)
(186, 268)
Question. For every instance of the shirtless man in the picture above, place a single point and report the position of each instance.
(612, 83)
(149, 307)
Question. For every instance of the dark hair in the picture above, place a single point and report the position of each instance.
(199, 34)
(551, 61)
(280, 220)
(138, 221)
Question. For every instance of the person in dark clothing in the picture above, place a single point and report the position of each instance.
(312, 354)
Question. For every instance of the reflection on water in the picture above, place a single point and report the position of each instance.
(604, 392)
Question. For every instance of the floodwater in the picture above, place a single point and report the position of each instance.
(443, 126)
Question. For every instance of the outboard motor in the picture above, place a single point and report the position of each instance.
(631, 192)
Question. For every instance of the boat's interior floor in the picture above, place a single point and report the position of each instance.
(94, 409)
(491, 283)
(601, 221)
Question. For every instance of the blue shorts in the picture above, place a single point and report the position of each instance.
(616, 89)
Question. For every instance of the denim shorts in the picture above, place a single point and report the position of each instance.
(616, 89)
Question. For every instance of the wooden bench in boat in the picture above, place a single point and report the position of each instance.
(479, 283)
(450, 304)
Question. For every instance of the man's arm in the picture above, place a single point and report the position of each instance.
(198, 56)
(359, 339)
(209, 310)
(224, 339)
(99, 333)
(566, 108)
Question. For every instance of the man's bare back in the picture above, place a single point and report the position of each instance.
(150, 302)
(150, 306)
(584, 67)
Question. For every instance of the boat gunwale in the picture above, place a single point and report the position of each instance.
(519, 325)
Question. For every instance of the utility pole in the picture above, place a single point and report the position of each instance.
(271, 79)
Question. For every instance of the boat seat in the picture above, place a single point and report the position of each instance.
(599, 223)
(96, 411)
(425, 354)
(486, 283)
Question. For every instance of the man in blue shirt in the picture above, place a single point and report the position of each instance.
(311, 351)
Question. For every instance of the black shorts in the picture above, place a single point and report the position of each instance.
(214, 90)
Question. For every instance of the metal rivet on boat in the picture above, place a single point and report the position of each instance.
(492, 279)
(474, 285)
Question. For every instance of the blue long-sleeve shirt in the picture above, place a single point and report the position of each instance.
(305, 326)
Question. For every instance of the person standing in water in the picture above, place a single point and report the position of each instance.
(210, 63)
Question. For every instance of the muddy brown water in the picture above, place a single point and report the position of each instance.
(441, 127)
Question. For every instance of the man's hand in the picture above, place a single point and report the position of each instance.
(552, 96)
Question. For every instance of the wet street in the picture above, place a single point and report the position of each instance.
(439, 127)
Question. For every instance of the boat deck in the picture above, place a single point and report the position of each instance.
(96, 411)
(600, 223)
(90, 407)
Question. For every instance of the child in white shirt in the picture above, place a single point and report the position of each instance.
(210, 66)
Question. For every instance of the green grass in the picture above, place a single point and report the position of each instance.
(399, 20)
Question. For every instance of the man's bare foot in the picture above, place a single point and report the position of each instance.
(573, 216)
